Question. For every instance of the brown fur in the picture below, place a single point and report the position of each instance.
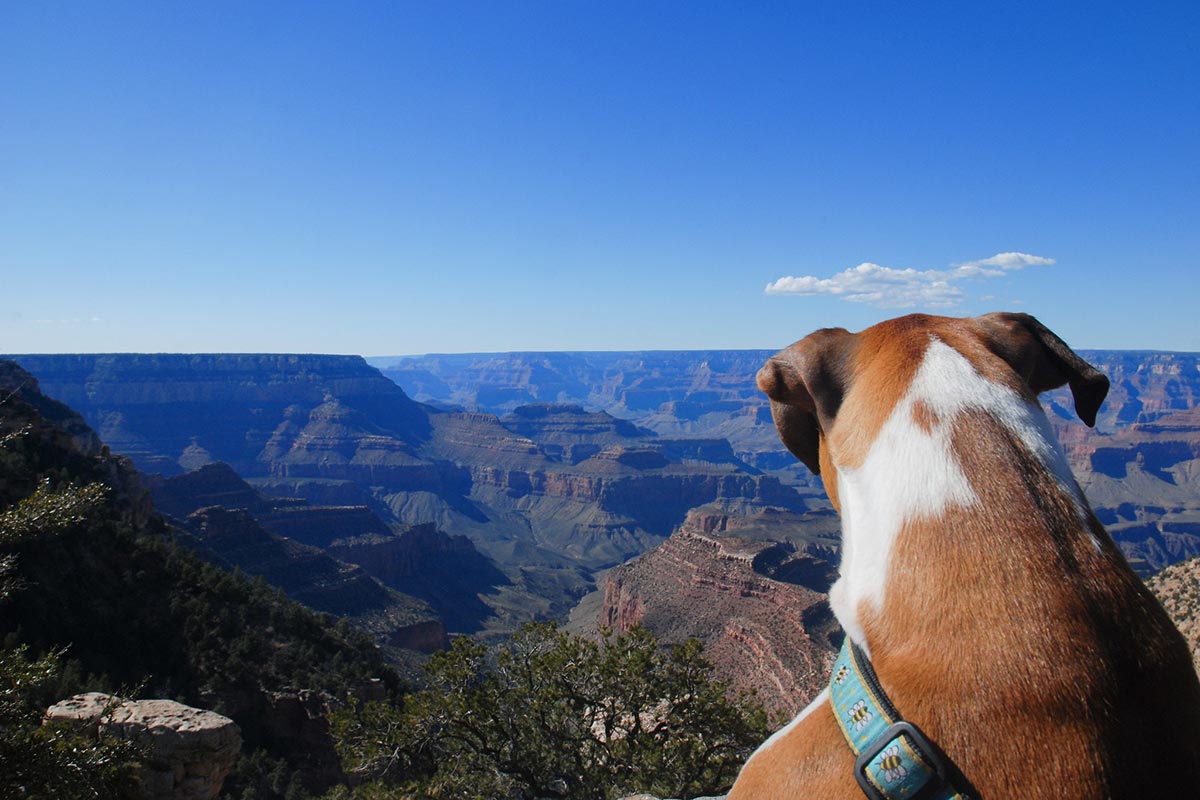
(1012, 632)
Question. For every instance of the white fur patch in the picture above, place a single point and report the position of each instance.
(911, 472)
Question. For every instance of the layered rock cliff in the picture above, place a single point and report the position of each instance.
(170, 413)
(1144, 482)
(713, 394)
(738, 583)
(343, 560)
(445, 571)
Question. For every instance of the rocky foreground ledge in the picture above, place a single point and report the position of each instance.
(189, 751)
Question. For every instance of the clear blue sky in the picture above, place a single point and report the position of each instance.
(397, 177)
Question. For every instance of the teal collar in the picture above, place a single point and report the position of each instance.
(894, 759)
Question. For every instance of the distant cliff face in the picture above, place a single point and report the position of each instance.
(310, 576)
(1144, 481)
(698, 391)
(229, 522)
(674, 393)
(27, 408)
(445, 571)
(171, 413)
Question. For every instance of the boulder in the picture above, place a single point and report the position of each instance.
(188, 751)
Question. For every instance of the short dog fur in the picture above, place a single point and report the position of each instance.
(998, 613)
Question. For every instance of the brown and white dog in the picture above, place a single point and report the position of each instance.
(1000, 617)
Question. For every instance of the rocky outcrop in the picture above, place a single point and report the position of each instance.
(719, 578)
(1178, 588)
(188, 751)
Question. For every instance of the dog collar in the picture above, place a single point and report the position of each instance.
(894, 760)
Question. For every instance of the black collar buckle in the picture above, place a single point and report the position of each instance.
(937, 781)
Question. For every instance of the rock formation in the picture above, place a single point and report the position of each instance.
(231, 523)
(753, 597)
(445, 571)
(327, 556)
(188, 751)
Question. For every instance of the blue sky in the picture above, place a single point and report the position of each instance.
(386, 178)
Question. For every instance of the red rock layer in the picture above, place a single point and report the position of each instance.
(763, 635)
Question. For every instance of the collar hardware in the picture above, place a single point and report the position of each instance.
(872, 766)
(894, 760)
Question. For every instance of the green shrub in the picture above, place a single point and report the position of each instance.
(554, 715)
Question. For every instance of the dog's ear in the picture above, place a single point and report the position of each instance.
(805, 383)
(1045, 361)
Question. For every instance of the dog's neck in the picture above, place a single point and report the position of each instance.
(911, 489)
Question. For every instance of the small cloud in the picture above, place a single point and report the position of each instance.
(1010, 261)
(876, 285)
(63, 321)
(886, 287)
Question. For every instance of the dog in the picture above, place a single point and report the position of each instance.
(998, 615)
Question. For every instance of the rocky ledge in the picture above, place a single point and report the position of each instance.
(189, 750)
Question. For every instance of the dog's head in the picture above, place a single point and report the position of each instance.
(832, 373)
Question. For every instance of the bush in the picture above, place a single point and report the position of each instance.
(554, 715)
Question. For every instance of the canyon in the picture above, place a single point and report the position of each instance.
(548, 494)
(619, 488)
(1139, 466)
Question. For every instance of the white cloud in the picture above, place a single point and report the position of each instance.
(63, 321)
(1010, 261)
(885, 287)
